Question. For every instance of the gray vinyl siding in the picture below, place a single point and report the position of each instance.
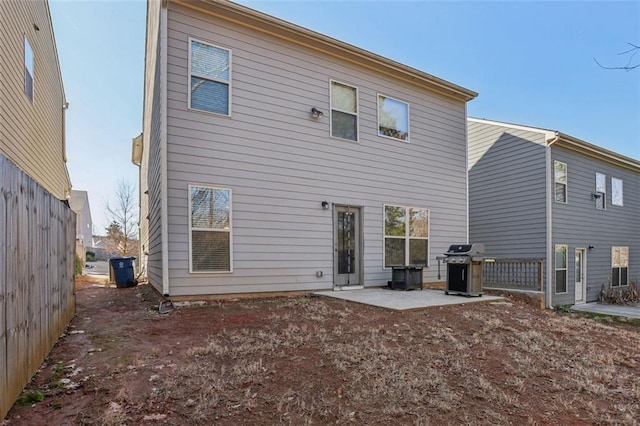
(151, 166)
(507, 195)
(32, 133)
(579, 225)
(281, 164)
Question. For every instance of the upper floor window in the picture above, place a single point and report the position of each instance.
(393, 118)
(619, 266)
(616, 192)
(344, 111)
(560, 179)
(209, 77)
(601, 191)
(28, 69)
(561, 268)
(209, 229)
(406, 236)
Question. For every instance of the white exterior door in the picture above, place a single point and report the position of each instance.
(580, 275)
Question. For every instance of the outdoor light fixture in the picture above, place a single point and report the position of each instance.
(591, 247)
(325, 205)
(316, 113)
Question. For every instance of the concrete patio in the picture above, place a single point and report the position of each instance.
(404, 300)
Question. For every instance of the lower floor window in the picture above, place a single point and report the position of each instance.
(561, 268)
(406, 236)
(619, 266)
(209, 229)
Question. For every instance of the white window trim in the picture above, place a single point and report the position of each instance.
(406, 236)
(191, 271)
(189, 74)
(613, 202)
(602, 193)
(357, 113)
(613, 248)
(565, 269)
(378, 118)
(566, 184)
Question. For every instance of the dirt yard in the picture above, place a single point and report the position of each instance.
(311, 360)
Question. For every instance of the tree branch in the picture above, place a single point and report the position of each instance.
(633, 52)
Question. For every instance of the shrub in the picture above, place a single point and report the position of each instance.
(620, 295)
(79, 265)
(30, 397)
(91, 256)
(563, 309)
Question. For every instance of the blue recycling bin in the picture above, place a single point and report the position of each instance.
(123, 273)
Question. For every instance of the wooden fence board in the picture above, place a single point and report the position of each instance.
(37, 289)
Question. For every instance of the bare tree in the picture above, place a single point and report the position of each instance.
(122, 232)
(631, 64)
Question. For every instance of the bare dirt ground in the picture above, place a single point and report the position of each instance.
(311, 360)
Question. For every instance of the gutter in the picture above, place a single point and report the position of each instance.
(549, 221)
(136, 150)
(597, 152)
(466, 168)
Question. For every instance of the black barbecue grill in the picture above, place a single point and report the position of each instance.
(464, 269)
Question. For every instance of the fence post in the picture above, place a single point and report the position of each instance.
(543, 299)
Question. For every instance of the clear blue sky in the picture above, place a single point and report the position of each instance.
(531, 62)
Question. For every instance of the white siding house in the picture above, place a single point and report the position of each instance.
(32, 101)
(275, 158)
(37, 227)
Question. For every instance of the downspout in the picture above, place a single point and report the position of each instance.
(164, 209)
(466, 165)
(549, 222)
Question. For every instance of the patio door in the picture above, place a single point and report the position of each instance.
(347, 260)
(581, 275)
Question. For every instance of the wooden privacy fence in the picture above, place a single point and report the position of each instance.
(37, 288)
(514, 274)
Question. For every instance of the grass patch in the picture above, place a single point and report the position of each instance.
(609, 318)
(563, 309)
(320, 361)
(30, 397)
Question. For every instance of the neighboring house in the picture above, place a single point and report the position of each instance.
(538, 193)
(275, 158)
(37, 227)
(79, 203)
(99, 242)
(137, 155)
(32, 101)
(100, 248)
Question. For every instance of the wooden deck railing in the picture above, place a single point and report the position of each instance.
(515, 274)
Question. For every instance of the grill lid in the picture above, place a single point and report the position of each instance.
(474, 249)
(459, 249)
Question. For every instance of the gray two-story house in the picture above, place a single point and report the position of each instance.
(274, 158)
(538, 193)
